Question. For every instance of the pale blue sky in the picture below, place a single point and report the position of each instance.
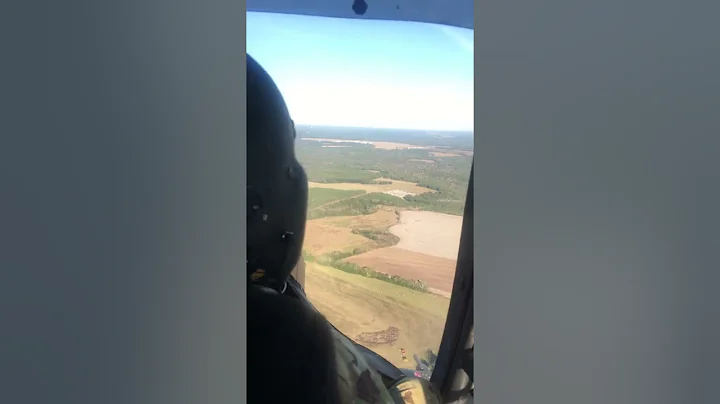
(386, 74)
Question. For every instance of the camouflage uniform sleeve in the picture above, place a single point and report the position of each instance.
(359, 383)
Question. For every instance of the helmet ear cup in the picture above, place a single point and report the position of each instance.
(254, 203)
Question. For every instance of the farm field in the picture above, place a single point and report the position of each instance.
(437, 272)
(377, 145)
(444, 151)
(320, 198)
(383, 185)
(326, 235)
(361, 307)
(383, 232)
(429, 233)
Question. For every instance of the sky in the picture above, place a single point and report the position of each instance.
(366, 73)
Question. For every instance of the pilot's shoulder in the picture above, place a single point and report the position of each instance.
(359, 382)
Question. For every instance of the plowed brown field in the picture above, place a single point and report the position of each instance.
(437, 272)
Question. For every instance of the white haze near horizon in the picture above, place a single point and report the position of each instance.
(367, 73)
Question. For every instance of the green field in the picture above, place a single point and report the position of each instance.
(322, 196)
(359, 205)
(357, 304)
(326, 173)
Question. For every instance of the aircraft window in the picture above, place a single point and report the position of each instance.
(384, 122)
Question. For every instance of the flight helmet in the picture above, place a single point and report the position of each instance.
(277, 188)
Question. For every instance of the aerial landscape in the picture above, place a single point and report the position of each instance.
(384, 218)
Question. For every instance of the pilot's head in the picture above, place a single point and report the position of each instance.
(277, 190)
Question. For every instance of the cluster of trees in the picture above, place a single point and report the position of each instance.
(337, 260)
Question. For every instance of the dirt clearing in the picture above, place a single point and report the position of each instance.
(464, 152)
(430, 233)
(404, 186)
(444, 154)
(362, 307)
(399, 194)
(437, 272)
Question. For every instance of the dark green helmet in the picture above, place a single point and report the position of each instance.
(277, 188)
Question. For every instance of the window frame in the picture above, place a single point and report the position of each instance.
(453, 374)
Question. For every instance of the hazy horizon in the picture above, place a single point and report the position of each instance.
(469, 132)
(367, 73)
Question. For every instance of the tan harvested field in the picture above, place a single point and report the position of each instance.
(430, 233)
(357, 305)
(395, 146)
(403, 186)
(444, 154)
(329, 234)
(324, 238)
(437, 272)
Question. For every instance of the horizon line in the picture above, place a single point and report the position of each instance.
(385, 128)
